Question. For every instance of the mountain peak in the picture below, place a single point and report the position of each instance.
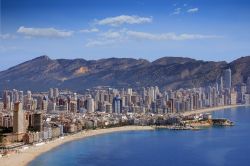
(41, 73)
(171, 60)
(43, 57)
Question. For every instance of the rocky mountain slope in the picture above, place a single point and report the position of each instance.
(41, 73)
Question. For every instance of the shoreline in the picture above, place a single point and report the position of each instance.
(207, 110)
(26, 156)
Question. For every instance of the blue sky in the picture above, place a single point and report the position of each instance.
(150, 29)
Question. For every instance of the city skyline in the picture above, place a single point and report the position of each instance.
(124, 82)
(142, 29)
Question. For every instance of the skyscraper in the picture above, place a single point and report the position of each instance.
(37, 121)
(221, 84)
(56, 92)
(21, 96)
(7, 100)
(29, 95)
(90, 104)
(129, 91)
(248, 85)
(227, 75)
(117, 105)
(18, 118)
(51, 93)
(15, 95)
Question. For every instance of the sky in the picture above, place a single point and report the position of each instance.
(216, 30)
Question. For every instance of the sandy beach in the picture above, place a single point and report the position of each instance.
(207, 110)
(23, 158)
(26, 156)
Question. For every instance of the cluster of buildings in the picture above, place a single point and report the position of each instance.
(34, 117)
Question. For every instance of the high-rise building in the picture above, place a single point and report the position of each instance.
(221, 84)
(217, 86)
(227, 75)
(210, 96)
(75, 96)
(117, 105)
(108, 107)
(129, 91)
(1, 106)
(18, 118)
(233, 98)
(8, 103)
(90, 104)
(7, 100)
(171, 107)
(29, 95)
(15, 96)
(247, 99)
(73, 106)
(21, 96)
(56, 92)
(248, 85)
(37, 121)
(45, 103)
(51, 93)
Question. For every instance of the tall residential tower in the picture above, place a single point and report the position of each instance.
(18, 119)
(227, 75)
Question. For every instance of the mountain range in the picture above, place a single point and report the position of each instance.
(42, 73)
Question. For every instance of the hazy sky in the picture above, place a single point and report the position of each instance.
(94, 29)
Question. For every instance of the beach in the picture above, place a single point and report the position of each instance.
(26, 156)
(207, 110)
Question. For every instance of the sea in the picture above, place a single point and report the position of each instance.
(216, 146)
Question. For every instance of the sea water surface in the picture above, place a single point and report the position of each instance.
(218, 146)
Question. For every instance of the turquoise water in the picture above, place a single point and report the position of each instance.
(220, 146)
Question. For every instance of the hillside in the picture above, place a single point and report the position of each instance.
(41, 73)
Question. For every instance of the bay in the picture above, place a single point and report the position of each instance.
(217, 146)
